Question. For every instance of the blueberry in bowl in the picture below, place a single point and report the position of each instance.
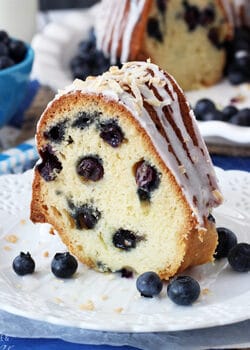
(16, 59)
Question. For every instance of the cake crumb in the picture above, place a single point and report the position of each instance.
(119, 310)
(205, 291)
(58, 300)
(7, 248)
(88, 306)
(46, 254)
(22, 221)
(104, 297)
(52, 231)
(11, 238)
(182, 169)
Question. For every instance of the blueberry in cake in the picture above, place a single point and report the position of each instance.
(185, 37)
(125, 177)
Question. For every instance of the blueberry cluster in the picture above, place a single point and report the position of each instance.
(63, 265)
(238, 254)
(88, 59)
(193, 16)
(205, 110)
(238, 57)
(12, 51)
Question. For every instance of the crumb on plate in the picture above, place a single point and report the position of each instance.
(11, 238)
(88, 306)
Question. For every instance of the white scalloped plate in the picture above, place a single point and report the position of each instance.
(117, 306)
(57, 43)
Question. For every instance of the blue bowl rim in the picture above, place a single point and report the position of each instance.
(27, 60)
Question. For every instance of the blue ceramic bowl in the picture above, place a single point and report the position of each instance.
(13, 86)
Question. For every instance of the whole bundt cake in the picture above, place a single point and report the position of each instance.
(125, 177)
(184, 37)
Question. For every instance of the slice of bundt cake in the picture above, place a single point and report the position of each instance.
(185, 37)
(124, 176)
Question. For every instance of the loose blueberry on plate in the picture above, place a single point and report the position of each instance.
(183, 290)
(229, 111)
(213, 115)
(64, 265)
(239, 257)
(23, 264)
(88, 59)
(202, 107)
(226, 241)
(149, 284)
(242, 118)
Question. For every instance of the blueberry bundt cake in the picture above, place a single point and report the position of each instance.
(185, 37)
(124, 176)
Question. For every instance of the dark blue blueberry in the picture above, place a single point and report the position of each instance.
(183, 290)
(213, 115)
(214, 37)
(18, 50)
(147, 179)
(202, 107)
(84, 47)
(111, 133)
(4, 37)
(149, 284)
(23, 264)
(90, 168)
(124, 239)
(81, 72)
(242, 118)
(229, 111)
(239, 257)
(153, 29)
(88, 60)
(211, 218)
(143, 194)
(85, 216)
(56, 133)
(162, 5)
(207, 16)
(242, 60)
(64, 265)
(191, 15)
(241, 41)
(126, 273)
(6, 62)
(226, 240)
(50, 165)
(4, 50)
(236, 76)
(83, 120)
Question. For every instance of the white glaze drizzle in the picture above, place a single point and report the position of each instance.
(238, 12)
(115, 27)
(195, 174)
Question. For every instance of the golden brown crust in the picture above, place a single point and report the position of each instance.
(196, 251)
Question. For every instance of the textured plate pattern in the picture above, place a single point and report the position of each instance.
(98, 301)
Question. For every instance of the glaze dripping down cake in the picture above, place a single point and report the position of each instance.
(125, 177)
(184, 37)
